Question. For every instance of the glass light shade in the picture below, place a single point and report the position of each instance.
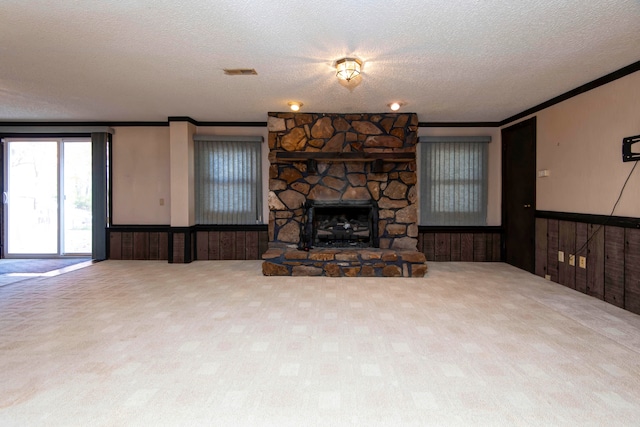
(348, 68)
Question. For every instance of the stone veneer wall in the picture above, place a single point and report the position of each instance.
(393, 187)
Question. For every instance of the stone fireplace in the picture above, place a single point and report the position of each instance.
(342, 195)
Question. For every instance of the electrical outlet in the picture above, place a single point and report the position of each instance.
(561, 256)
(582, 262)
(572, 259)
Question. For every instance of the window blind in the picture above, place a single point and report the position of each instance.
(453, 181)
(228, 176)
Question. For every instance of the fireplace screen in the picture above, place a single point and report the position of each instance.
(343, 224)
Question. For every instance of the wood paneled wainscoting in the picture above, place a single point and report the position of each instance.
(138, 242)
(610, 246)
(231, 242)
(186, 244)
(475, 244)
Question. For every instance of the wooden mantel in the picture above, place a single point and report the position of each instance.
(298, 156)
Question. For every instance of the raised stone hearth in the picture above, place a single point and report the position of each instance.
(344, 263)
(342, 160)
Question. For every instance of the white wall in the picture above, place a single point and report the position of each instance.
(141, 166)
(141, 178)
(580, 142)
(182, 173)
(141, 173)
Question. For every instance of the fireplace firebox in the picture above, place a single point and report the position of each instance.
(340, 224)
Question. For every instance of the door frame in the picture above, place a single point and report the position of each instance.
(4, 177)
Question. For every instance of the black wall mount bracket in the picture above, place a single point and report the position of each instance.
(628, 155)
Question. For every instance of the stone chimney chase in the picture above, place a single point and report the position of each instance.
(341, 158)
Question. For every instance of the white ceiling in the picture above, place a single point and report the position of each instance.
(447, 60)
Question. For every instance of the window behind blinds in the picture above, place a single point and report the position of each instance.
(228, 180)
(453, 181)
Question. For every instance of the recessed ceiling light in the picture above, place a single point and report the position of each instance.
(395, 106)
(295, 106)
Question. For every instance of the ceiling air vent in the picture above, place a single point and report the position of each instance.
(240, 72)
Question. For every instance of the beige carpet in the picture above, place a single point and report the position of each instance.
(216, 343)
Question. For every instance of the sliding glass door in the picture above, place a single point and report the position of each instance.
(47, 197)
(76, 186)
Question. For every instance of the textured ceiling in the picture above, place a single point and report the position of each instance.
(454, 60)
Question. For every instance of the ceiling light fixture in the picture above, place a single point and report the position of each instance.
(295, 106)
(348, 68)
(395, 106)
(240, 71)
